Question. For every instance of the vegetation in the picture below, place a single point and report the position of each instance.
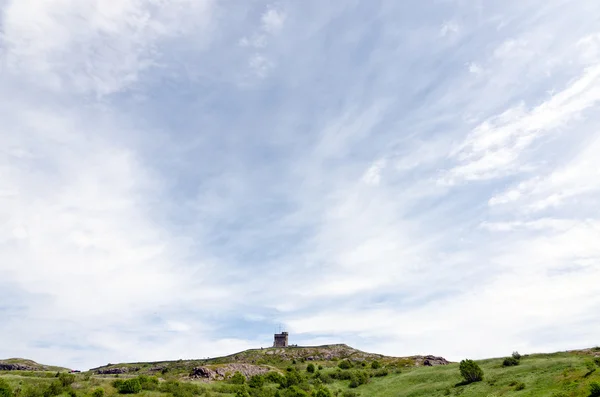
(595, 389)
(552, 375)
(470, 371)
(510, 362)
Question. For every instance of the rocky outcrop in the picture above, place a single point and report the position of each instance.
(16, 367)
(432, 361)
(114, 371)
(226, 371)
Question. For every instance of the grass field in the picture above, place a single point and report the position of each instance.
(567, 374)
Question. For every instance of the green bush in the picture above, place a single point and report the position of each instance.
(310, 368)
(293, 378)
(33, 390)
(257, 381)
(237, 378)
(320, 367)
(54, 389)
(345, 364)
(275, 377)
(148, 382)
(381, 372)
(130, 386)
(322, 392)
(359, 378)
(516, 355)
(99, 392)
(470, 371)
(72, 393)
(323, 377)
(294, 391)
(375, 365)
(594, 389)
(350, 393)
(510, 362)
(597, 361)
(66, 379)
(5, 389)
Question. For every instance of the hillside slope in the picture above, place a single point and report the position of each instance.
(269, 357)
(21, 364)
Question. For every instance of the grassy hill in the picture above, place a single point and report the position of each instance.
(285, 373)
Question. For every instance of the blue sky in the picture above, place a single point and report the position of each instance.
(179, 177)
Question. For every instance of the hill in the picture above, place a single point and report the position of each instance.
(323, 371)
(21, 364)
(267, 358)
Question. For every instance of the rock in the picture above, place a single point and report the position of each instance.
(432, 361)
(114, 371)
(15, 367)
(226, 371)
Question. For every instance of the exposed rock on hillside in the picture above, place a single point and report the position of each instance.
(226, 371)
(15, 367)
(116, 370)
(432, 361)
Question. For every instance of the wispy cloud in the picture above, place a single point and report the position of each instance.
(176, 172)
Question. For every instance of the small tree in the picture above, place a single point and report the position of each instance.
(310, 368)
(594, 389)
(516, 355)
(470, 371)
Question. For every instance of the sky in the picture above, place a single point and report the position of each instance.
(178, 179)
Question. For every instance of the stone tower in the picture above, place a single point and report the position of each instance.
(281, 340)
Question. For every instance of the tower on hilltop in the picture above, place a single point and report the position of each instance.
(281, 340)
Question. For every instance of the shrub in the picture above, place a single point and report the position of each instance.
(516, 355)
(359, 378)
(148, 382)
(350, 393)
(323, 377)
(5, 389)
(257, 381)
(99, 392)
(320, 367)
(274, 377)
(381, 372)
(130, 386)
(66, 379)
(295, 391)
(375, 365)
(237, 378)
(470, 371)
(594, 389)
(33, 390)
(310, 368)
(293, 378)
(54, 389)
(345, 364)
(597, 361)
(322, 392)
(510, 362)
(72, 393)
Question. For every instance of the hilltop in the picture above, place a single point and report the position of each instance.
(21, 364)
(256, 361)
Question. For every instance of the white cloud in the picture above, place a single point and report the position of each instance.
(494, 147)
(273, 20)
(92, 46)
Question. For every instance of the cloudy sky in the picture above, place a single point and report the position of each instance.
(179, 177)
